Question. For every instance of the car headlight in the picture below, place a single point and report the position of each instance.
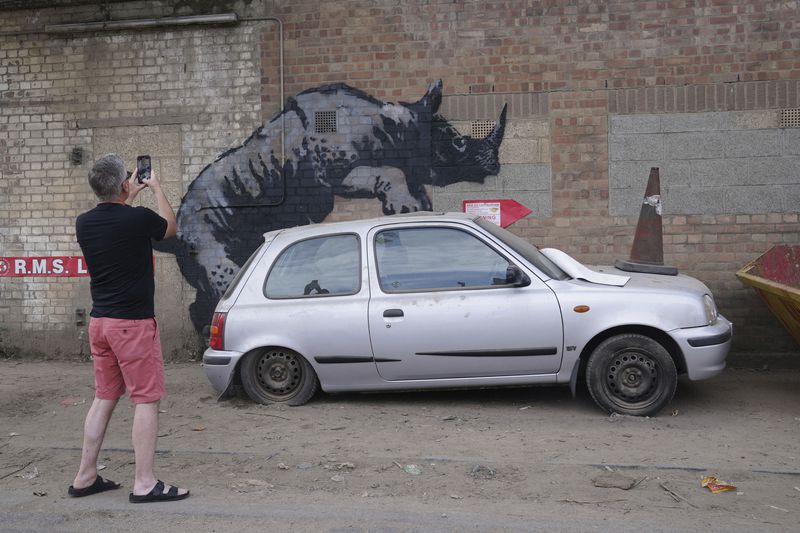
(711, 309)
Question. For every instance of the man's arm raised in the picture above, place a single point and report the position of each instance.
(164, 209)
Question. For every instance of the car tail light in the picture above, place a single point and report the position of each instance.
(216, 339)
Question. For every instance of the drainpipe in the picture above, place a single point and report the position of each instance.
(283, 119)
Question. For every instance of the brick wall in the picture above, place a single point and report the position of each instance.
(181, 95)
(594, 65)
(574, 74)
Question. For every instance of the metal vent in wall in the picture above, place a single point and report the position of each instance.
(481, 128)
(790, 118)
(325, 121)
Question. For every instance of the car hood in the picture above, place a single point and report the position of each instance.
(577, 270)
(656, 282)
(631, 281)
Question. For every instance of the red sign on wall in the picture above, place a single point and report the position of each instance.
(61, 266)
(501, 212)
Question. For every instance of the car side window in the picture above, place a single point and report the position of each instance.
(416, 259)
(322, 266)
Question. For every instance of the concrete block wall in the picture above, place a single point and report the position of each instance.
(722, 162)
(594, 90)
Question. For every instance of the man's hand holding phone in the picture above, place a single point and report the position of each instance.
(143, 168)
(143, 176)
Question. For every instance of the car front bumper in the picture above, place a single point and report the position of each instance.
(220, 366)
(705, 348)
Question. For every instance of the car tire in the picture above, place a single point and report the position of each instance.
(631, 374)
(278, 375)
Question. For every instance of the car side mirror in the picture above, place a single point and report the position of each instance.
(516, 277)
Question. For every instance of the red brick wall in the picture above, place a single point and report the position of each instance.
(392, 48)
(594, 58)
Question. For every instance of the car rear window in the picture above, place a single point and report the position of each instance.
(321, 266)
(239, 275)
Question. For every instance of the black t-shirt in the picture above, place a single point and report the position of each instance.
(115, 240)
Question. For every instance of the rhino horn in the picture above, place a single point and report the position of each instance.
(495, 137)
(433, 97)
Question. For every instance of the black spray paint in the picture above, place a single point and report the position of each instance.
(380, 150)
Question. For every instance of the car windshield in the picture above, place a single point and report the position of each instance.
(524, 248)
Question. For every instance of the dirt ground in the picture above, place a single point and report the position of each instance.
(489, 460)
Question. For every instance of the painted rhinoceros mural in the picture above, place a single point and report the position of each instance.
(339, 141)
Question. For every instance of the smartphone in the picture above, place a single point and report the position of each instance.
(143, 167)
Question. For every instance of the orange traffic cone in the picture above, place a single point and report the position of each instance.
(647, 253)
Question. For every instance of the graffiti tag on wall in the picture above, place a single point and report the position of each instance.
(339, 141)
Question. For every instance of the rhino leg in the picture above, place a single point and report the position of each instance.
(387, 184)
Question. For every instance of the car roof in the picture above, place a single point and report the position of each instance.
(366, 223)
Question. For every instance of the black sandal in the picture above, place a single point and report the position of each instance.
(99, 485)
(158, 495)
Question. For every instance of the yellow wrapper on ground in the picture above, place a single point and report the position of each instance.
(715, 485)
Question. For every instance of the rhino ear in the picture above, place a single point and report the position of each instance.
(432, 98)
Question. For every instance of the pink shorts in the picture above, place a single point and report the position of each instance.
(127, 355)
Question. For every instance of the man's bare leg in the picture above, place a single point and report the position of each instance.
(94, 431)
(144, 435)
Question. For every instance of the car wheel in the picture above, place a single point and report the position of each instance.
(631, 374)
(278, 375)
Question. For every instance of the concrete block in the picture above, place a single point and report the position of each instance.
(753, 143)
(625, 202)
(790, 141)
(518, 151)
(627, 174)
(544, 151)
(448, 202)
(636, 147)
(526, 129)
(719, 172)
(791, 198)
(672, 174)
(169, 141)
(169, 168)
(173, 191)
(524, 178)
(540, 203)
(699, 145)
(693, 201)
(684, 122)
(753, 199)
(757, 120)
(775, 171)
(623, 174)
(676, 200)
(621, 124)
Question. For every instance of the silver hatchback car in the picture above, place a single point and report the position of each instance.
(426, 300)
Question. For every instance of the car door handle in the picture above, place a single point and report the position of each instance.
(392, 313)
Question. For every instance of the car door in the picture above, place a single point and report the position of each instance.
(440, 307)
(317, 300)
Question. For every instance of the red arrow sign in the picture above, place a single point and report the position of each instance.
(501, 212)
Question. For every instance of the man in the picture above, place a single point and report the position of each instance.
(126, 348)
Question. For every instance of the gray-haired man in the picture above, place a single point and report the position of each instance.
(126, 348)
